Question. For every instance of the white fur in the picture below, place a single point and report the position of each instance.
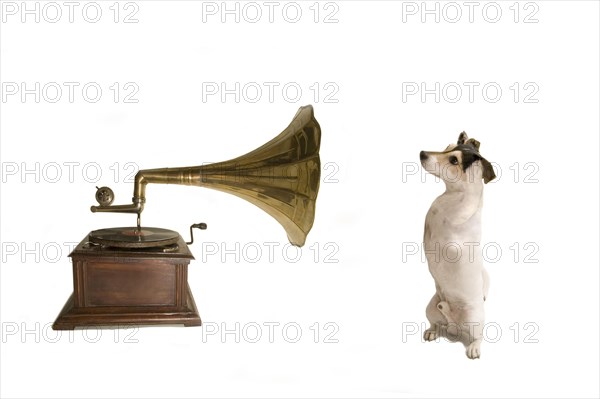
(452, 246)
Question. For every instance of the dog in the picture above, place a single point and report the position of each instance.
(452, 234)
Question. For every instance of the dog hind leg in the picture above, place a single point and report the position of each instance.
(471, 322)
(436, 319)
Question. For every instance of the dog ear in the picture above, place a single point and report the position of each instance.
(474, 143)
(488, 171)
(462, 138)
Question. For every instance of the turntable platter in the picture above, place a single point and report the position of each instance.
(132, 237)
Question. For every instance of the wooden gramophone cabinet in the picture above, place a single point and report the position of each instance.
(120, 287)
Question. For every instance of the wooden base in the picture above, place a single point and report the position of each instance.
(123, 288)
(71, 317)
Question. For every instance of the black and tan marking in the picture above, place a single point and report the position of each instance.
(465, 152)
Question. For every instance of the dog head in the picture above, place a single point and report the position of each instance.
(460, 162)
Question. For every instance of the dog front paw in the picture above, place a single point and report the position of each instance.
(431, 334)
(474, 350)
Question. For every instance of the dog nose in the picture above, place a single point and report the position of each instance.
(423, 155)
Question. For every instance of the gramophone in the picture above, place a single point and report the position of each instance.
(138, 275)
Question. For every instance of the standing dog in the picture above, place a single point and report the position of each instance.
(452, 235)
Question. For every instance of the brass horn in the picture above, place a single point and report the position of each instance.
(281, 177)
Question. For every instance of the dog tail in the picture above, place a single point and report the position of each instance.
(486, 284)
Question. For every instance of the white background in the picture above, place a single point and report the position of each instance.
(369, 211)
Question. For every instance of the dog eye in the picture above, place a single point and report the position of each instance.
(453, 160)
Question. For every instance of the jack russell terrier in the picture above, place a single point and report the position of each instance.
(452, 234)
